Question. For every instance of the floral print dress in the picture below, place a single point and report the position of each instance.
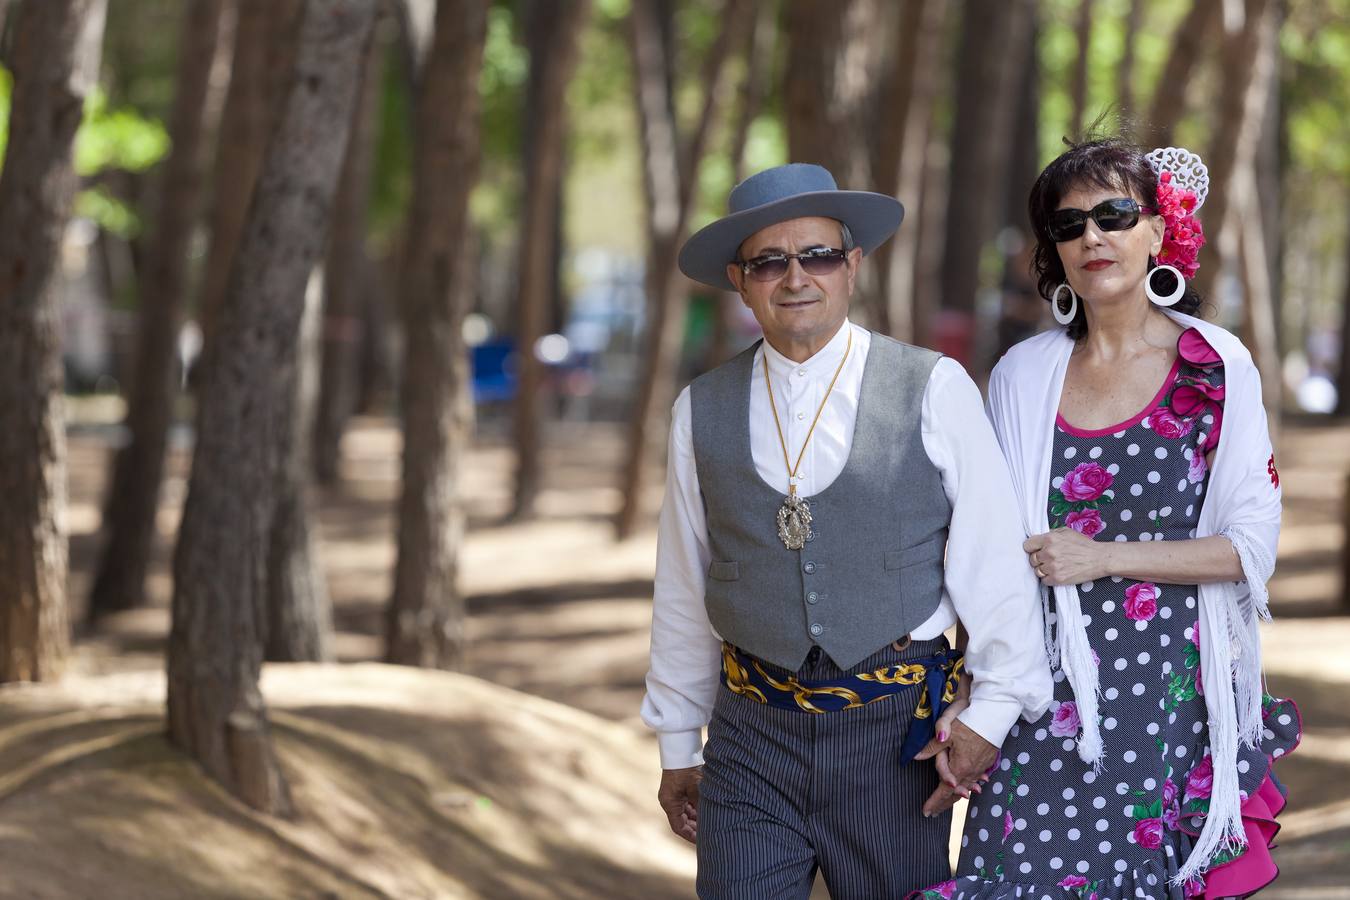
(1048, 826)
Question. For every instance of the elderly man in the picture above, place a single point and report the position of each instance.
(835, 502)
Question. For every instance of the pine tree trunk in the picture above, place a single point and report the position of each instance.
(1189, 41)
(375, 376)
(346, 280)
(263, 49)
(1021, 307)
(839, 84)
(55, 62)
(300, 613)
(553, 35)
(1343, 379)
(993, 48)
(1078, 81)
(758, 61)
(133, 497)
(1236, 136)
(425, 618)
(1125, 74)
(670, 181)
(922, 37)
(216, 712)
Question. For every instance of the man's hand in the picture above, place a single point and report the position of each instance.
(960, 765)
(678, 796)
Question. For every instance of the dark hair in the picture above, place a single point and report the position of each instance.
(1109, 163)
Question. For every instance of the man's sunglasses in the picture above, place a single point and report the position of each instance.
(773, 266)
(1116, 214)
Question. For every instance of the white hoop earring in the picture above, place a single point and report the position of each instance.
(1159, 299)
(1064, 318)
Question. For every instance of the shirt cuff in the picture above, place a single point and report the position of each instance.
(682, 749)
(991, 719)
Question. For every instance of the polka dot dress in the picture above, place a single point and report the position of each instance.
(1047, 825)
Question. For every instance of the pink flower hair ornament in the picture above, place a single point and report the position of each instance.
(1183, 185)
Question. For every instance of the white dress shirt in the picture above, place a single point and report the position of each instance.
(988, 583)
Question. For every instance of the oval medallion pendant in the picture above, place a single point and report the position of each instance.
(794, 522)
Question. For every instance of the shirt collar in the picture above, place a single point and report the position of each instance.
(825, 360)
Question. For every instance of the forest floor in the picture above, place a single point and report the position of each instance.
(532, 777)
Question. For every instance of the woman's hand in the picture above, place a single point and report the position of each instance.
(939, 749)
(1064, 556)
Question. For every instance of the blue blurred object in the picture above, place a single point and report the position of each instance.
(494, 371)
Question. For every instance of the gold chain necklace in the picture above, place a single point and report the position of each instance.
(794, 516)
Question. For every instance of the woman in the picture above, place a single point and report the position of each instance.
(1137, 441)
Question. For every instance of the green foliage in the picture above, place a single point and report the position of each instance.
(502, 85)
(107, 139)
(1058, 53)
(117, 139)
(1316, 88)
(99, 205)
(603, 195)
(114, 139)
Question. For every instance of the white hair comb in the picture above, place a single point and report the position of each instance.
(1187, 170)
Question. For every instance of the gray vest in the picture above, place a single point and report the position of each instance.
(872, 570)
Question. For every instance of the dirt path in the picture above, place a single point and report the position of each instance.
(559, 610)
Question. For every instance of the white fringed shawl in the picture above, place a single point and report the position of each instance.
(1241, 503)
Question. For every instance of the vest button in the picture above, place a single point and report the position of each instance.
(809, 568)
(817, 629)
(811, 597)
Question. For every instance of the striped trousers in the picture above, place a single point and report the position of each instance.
(785, 793)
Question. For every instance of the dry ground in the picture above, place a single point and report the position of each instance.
(557, 610)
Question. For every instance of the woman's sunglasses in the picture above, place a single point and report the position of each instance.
(773, 266)
(1116, 214)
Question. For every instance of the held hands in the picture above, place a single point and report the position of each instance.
(678, 796)
(1064, 556)
(962, 757)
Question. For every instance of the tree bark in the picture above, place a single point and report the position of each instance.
(758, 57)
(1021, 307)
(129, 514)
(1189, 42)
(300, 613)
(922, 38)
(1078, 81)
(5, 7)
(425, 620)
(1345, 534)
(263, 50)
(1125, 75)
(1343, 377)
(1247, 65)
(993, 48)
(840, 84)
(553, 36)
(814, 37)
(670, 180)
(55, 64)
(347, 282)
(216, 712)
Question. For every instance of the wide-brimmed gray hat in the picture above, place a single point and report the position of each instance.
(775, 195)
